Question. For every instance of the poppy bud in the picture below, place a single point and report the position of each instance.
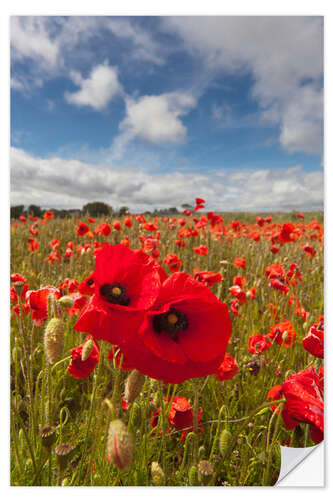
(133, 385)
(18, 287)
(206, 470)
(120, 445)
(54, 339)
(48, 435)
(86, 349)
(193, 476)
(224, 442)
(66, 301)
(157, 474)
(63, 452)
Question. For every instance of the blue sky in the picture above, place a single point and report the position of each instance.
(153, 111)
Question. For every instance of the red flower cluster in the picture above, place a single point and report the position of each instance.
(171, 328)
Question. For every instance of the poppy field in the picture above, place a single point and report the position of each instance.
(169, 351)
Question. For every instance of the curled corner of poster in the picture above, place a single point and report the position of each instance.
(302, 466)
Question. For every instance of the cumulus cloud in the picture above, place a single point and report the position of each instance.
(155, 118)
(56, 182)
(98, 89)
(284, 56)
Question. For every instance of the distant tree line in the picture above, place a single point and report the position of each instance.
(93, 209)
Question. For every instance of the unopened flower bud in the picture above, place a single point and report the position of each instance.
(133, 385)
(206, 470)
(48, 435)
(66, 301)
(63, 452)
(86, 349)
(157, 474)
(19, 287)
(224, 442)
(120, 445)
(54, 339)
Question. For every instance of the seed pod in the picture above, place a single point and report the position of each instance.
(18, 287)
(120, 445)
(63, 452)
(206, 470)
(48, 435)
(133, 385)
(66, 301)
(193, 476)
(86, 349)
(224, 442)
(54, 339)
(157, 474)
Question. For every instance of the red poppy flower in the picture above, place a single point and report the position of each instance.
(82, 369)
(239, 281)
(82, 229)
(103, 229)
(283, 334)
(33, 244)
(313, 342)
(258, 343)
(184, 335)
(128, 222)
(278, 285)
(239, 262)
(227, 369)
(70, 284)
(207, 277)
(173, 262)
(181, 415)
(275, 271)
(305, 402)
(117, 225)
(37, 300)
(17, 277)
(201, 250)
(126, 283)
(54, 244)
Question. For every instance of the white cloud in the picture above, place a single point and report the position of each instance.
(98, 89)
(155, 118)
(65, 183)
(145, 48)
(285, 57)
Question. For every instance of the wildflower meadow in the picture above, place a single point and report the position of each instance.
(164, 350)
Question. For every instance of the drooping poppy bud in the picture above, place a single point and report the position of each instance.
(133, 385)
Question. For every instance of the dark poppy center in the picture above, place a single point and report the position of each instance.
(170, 322)
(114, 294)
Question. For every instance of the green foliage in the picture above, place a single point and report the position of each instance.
(97, 208)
